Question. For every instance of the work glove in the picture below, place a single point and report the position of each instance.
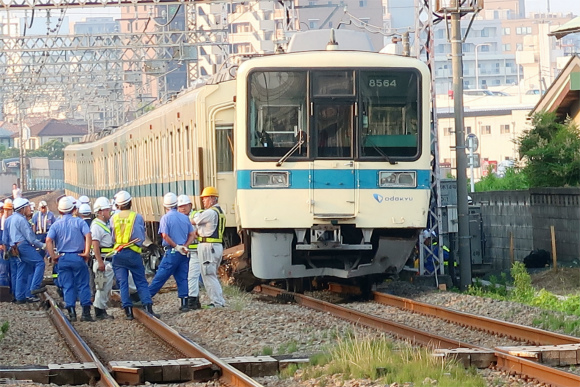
(181, 249)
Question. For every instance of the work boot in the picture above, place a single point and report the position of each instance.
(135, 299)
(149, 309)
(41, 289)
(101, 314)
(129, 313)
(72, 314)
(184, 305)
(193, 303)
(86, 316)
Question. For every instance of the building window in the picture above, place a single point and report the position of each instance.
(468, 129)
(519, 46)
(313, 23)
(484, 33)
(365, 20)
(75, 139)
(518, 30)
(485, 48)
(447, 131)
(485, 129)
(507, 47)
(507, 31)
(504, 129)
(362, 3)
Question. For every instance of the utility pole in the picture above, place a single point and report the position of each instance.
(22, 150)
(454, 10)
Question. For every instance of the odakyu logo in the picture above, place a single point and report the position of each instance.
(380, 198)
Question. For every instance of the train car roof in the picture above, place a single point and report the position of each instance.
(317, 40)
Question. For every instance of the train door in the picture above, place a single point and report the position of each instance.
(225, 170)
(333, 168)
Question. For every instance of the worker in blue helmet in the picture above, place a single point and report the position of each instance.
(431, 252)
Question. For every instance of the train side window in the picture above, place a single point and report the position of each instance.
(277, 114)
(225, 148)
(390, 114)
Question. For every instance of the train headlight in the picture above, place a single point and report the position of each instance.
(270, 179)
(397, 179)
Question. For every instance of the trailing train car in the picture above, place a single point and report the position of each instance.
(321, 159)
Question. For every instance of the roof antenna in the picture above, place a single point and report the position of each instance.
(332, 44)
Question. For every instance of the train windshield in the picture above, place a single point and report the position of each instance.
(304, 115)
(389, 114)
(277, 113)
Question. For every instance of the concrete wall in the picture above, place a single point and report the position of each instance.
(527, 217)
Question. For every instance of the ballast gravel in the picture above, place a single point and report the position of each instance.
(250, 325)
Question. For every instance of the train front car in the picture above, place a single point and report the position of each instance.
(332, 162)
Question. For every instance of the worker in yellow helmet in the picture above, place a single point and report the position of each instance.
(210, 225)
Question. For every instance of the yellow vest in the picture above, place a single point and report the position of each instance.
(193, 244)
(123, 223)
(218, 235)
(101, 225)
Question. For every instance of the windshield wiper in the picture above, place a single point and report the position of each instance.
(291, 151)
(370, 141)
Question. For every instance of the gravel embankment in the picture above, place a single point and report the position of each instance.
(250, 325)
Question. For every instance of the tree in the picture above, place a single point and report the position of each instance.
(8, 153)
(52, 149)
(551, 151)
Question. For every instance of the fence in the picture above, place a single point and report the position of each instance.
(44, 184)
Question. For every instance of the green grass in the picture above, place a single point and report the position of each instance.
(3, 329)
(561, 314)
(237, 299)
(378, 360)
(289, 347)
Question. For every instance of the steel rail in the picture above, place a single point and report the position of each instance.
(416, 336)
(505, 361)
(516, 331)
(74, 341)
(189, 348)
(545, 374)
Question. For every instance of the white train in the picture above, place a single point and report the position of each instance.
(321, 159)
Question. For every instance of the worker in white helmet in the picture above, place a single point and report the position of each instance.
(71, 237)
(103, 262)
(185, 206)
(177, 233)
(21, 241)
(128, 230)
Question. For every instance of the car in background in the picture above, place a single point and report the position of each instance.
(535, 92)
(501, 94)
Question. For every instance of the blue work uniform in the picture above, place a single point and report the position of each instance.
(30, 265)
(431, 260)
(42, 223)
(127, 226)
(13, 261)
(68, 234)
(178, 227)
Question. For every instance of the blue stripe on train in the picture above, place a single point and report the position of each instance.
(332, 179)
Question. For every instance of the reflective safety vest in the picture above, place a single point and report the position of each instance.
(123, 223)
(218, 234)
(193, 244)
(107, 230)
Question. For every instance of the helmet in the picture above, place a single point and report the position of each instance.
(1, 204)
(182, 200)
(169, 200)
(101, 203)
(73, 200)
(429, 234)
(20, 203)
(84, 199)
(209, 191)
(84, 209)
(66, 204)
(42, 204)
(122, 198)
(32, 205)
(8, 204)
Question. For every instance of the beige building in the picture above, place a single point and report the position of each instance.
(497, 121)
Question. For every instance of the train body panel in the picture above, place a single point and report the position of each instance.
(168, 149)
(321, 159)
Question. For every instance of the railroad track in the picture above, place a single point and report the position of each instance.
(505, 361)
(226, 374)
